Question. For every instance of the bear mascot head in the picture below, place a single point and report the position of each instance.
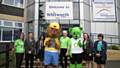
(53, 32)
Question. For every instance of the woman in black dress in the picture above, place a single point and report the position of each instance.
(88, 50)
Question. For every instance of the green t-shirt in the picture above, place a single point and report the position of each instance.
(19, 45)
(64, 42)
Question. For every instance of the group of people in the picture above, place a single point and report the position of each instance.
(90, 51)
(25, 48)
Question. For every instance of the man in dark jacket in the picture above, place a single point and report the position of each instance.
(29, 50)
(100, 49)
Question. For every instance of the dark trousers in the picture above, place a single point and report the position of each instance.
(19, 58)
(63, 58)
(76, 58)
(29, 57)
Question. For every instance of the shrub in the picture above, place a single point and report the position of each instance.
(115, 47)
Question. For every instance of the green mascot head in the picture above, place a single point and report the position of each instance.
(76, 32)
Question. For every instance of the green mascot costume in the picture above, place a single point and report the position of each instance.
(75, 50)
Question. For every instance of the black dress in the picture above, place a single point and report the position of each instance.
(88, 50)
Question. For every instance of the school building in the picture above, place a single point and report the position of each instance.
(95, 16)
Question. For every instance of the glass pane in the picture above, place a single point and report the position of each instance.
(19, 3)
(10, 2)
(74, 21)
(30, 27)
(7, 34)
(18, 24)
(64, 22)
(16, 33)
(7, 23)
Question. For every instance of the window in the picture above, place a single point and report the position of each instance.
(18, 24)
(30, 27)
(10, 30)
(10, 2)
(64, 22)
(7, 34)
(74, 21)
(19, 3)
(16, 33)
(7, 23)
(16, 3)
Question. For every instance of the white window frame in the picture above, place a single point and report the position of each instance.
(7, 21)
(13, 26)
(3, 2)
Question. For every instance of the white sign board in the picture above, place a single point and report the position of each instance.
(59, 10)
(104, 10)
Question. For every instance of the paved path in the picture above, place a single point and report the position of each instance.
(110, 64)
(113, 64)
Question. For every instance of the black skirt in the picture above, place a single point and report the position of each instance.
(87, 56)
(101, 59)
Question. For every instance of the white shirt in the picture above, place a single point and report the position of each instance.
(74, 47)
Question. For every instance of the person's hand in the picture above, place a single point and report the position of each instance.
(38, 60)
(90, 54)
(29, 52)
(67, 54)
(98, 55)
(13, 49)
